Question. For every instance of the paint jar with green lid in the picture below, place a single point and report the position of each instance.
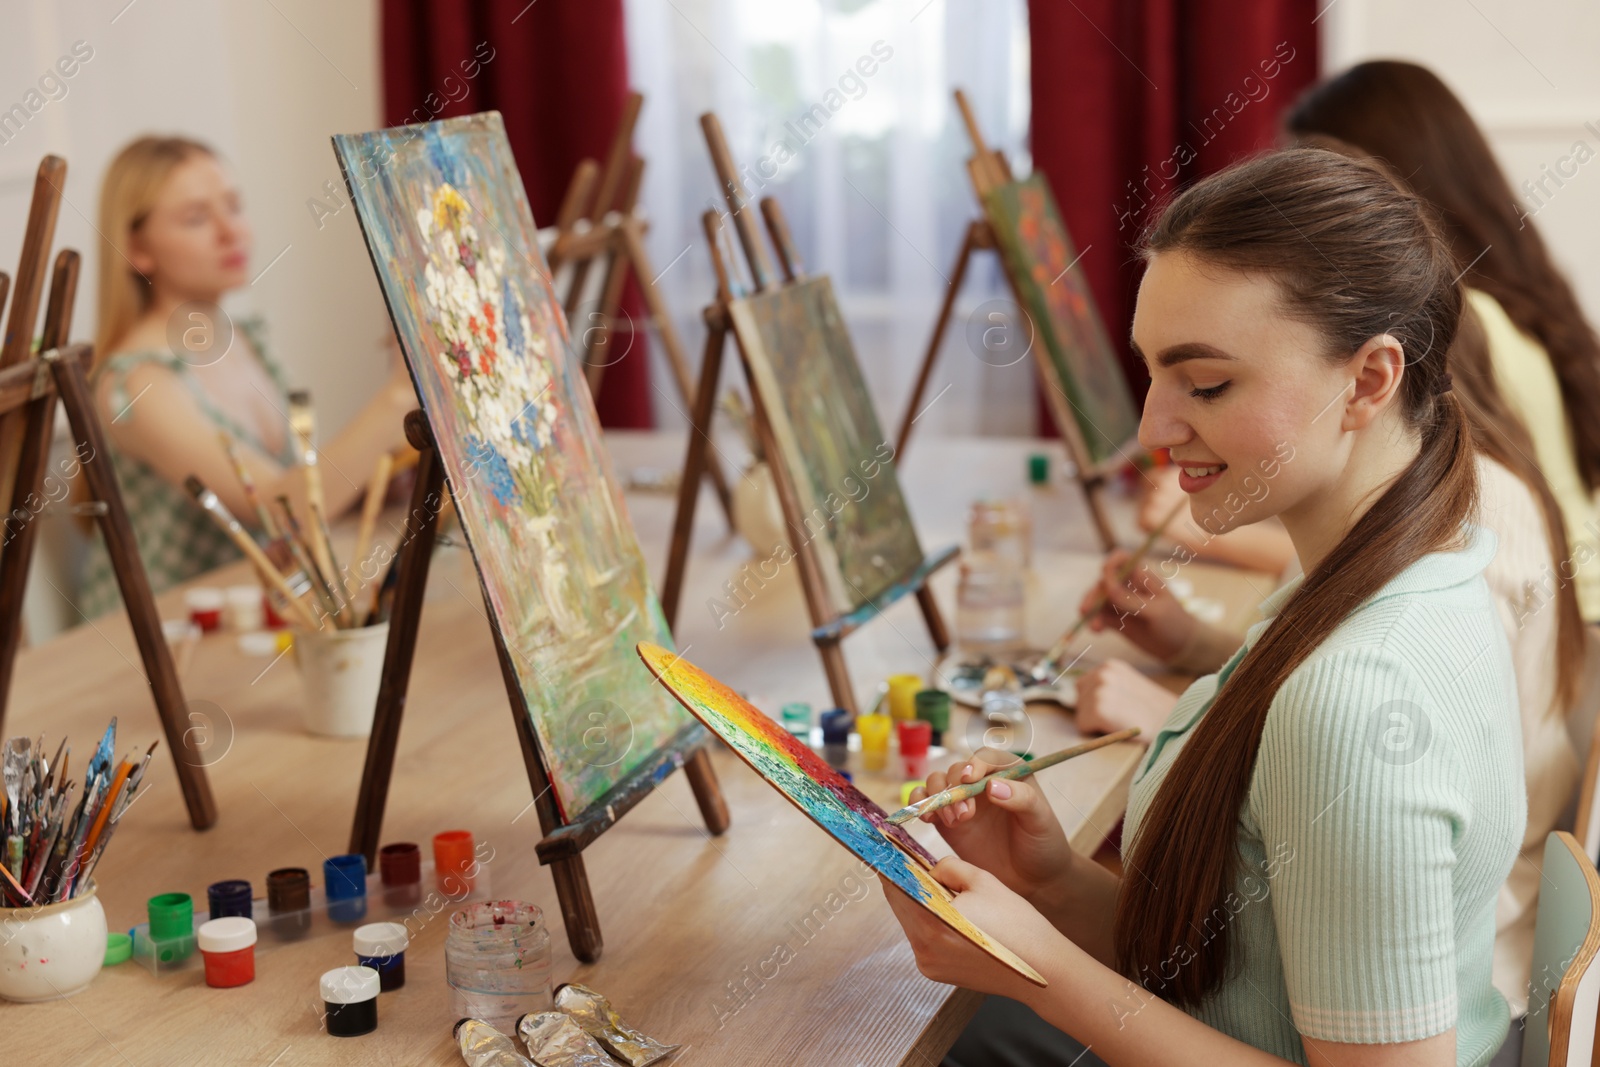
(797, 719)
(933, 707)
(171, 925)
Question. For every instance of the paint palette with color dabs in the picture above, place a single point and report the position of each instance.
(820, 792)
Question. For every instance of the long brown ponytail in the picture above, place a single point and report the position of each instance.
(1355, 256)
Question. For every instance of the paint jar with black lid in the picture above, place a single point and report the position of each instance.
(350, 1001)
(289, 903)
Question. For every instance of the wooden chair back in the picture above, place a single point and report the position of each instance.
(1564, 996)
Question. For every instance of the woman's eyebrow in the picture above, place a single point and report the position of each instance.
(1172, 355)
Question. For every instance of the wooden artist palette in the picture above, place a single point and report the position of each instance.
(820, 792)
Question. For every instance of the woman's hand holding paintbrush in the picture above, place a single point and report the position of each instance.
(1121, 567)
(1137, 604)
(1011, 831)
(952, 795)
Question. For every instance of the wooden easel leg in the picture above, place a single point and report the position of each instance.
(844, 694)
(136, 595)
(577, 908)
(707, 791)
(21, 527)
(673, 344)
(969, 243)
(693, 464)
(422, 523)
(934, 618)
(610, 305)
(1094, 494)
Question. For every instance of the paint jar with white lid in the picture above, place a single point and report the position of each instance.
(350, 1001)
(497, 962)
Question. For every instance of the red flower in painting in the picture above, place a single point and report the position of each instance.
(463, 359)
(472, 325)
(488, 312)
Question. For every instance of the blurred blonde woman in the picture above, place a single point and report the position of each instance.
(171, 370)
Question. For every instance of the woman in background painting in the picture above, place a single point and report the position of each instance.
(171, 370)
(1293, 892)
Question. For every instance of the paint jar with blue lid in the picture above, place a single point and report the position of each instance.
(382, 946)
(836, 725)
(346, 878)
(229, 899)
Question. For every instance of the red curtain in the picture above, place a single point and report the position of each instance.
(1133, 99)
(557, 71)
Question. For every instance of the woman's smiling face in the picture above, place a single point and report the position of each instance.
(1242, 395)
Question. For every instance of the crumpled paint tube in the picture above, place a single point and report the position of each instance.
(556, 1040)
(483, 1046)
(597, 1017)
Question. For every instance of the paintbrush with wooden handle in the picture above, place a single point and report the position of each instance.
(224, 518)
(1046, 666)
(1022, 769)
(303, 424)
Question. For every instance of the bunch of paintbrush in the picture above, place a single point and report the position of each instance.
(298, 559)
(52, 845)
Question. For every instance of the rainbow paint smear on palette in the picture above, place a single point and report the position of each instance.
(820, 792)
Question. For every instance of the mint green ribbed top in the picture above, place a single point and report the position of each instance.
(1384, 812)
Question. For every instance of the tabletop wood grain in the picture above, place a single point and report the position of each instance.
(767, 945)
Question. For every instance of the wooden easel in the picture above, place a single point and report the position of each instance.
(564, 842)
(597, 221)
(987, 168)
(828, 629)
(29, 391)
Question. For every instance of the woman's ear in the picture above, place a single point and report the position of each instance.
(1377, 372)
(138, 257)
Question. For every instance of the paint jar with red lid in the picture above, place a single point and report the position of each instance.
(400, 868)
(205, 607)
(915, 737)
(229, 948)
(453, 864)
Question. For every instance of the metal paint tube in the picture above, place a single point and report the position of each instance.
(594, 1013)
(483, 1046)
(556, 1040)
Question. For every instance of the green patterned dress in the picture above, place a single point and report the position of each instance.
(177, 540)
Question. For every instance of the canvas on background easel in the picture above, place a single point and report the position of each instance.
(598, 220)
(509, 423)
(1078, 370)
(30, 386)
(814, 420)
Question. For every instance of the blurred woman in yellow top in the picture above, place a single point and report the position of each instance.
(1545, 354)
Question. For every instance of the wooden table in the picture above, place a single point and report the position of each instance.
(694, 926)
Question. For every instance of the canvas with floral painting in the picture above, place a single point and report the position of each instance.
(455, 247)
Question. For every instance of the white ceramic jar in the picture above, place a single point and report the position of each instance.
(52, 951)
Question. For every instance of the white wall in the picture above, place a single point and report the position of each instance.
(266, 82)
(1527, 72)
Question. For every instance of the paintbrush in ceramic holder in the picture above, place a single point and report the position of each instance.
(1022, 769)
(1046, 667)
(327, 597)
(377, 487)
(224, 518)
(269, 528)
(303, 424)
